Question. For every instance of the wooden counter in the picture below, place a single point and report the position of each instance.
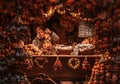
(66, 73)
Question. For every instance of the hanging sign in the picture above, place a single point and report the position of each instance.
(84, 30)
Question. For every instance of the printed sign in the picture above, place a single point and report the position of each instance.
(84, 30)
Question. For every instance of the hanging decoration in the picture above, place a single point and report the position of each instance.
(41, 61)
(84, 30)
(57, 65)
(85, 64)
(29, 63)
(74, 63)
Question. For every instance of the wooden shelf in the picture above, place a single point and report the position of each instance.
(79, 56)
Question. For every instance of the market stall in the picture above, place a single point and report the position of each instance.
(63, 67)
(65, 39)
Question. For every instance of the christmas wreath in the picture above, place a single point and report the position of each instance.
(74, 63)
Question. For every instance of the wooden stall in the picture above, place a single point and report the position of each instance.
(66, 72)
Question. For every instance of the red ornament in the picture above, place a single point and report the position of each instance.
(85, 64)
(57, 65)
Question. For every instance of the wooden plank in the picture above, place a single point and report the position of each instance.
(79, 56)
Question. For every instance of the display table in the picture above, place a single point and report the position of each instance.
(66, 73)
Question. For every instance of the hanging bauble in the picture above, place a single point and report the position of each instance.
(85, 64)
(57, 65)
(74, 63)
(28, 63)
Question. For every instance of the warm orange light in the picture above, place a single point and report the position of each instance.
(70, 1)
(53, 1)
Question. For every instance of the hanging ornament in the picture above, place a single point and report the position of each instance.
(85, 64)
(57, 65)
(40, 61)
(28, 63)
(74, 63)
